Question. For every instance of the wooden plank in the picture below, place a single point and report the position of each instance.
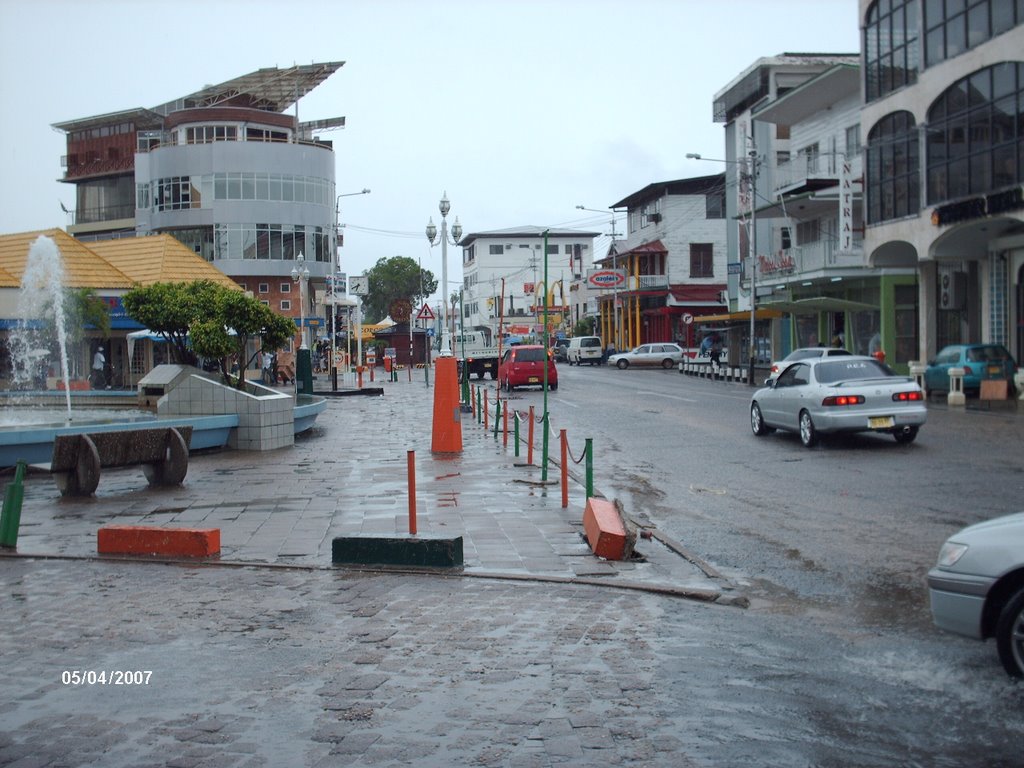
(992, 389)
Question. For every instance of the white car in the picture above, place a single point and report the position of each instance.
(977, 587)
(823, 395)
(666, 355)
(803, 353)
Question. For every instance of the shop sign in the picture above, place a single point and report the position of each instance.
(606, 278)
(780, 262)
(977, 207)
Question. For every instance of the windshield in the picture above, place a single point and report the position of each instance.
(846, 370)
(530, 355)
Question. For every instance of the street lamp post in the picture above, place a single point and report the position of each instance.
(751, 244)
(303, 362)
(337, 275)
(444, 206)
(447, 426)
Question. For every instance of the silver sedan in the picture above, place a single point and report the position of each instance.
(976, 588)
(839, 394)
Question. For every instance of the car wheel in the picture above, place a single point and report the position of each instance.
(808, 433)
(905, 435)
(757, 425)
(553, 387)
(1010, 635)
(622, 365)
(666, 364)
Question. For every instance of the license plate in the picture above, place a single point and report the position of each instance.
(533, 380)
(995, 369)
(881, 422)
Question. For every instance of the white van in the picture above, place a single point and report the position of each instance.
(584, 349)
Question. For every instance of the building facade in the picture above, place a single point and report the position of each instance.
(504, 289)
(943, 121)
(674, 260)
(226, 172)
(812, 267)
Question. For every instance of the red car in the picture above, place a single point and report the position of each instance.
(523, 366)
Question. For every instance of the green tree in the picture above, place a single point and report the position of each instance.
(206, 319)
(398, 277)
(237, 319)
(584, 327)
(170, 309)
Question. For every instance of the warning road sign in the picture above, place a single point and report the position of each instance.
(425, 313)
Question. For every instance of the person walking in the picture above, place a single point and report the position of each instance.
(268, 368)
(99, 362)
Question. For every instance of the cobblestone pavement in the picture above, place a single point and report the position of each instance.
(272, 657)
(349, 475)
(262, 666)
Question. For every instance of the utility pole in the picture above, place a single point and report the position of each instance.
(752, 240)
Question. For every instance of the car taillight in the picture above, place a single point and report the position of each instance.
(775, 369)
(843, 400)
(906, 397)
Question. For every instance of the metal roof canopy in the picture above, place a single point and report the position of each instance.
(820, 304)
(270, 88)
(759, 314)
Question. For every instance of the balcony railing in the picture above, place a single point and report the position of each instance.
(820, 257)
(648, 282)
(802, 169)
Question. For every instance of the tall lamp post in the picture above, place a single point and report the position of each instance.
(751, 245)
(303, 360)
(447, 427)
(333, 295)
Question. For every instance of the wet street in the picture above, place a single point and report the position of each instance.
(292, 662)
(259, 667)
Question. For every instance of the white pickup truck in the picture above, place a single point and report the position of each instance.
(473, 350)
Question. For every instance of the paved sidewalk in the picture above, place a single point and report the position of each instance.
(349, 475)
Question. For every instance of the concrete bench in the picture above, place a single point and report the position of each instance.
(78, 459)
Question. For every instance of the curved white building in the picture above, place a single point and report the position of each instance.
(225, 171)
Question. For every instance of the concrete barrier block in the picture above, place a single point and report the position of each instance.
(605, 531)
(158, 540)
(399, 550)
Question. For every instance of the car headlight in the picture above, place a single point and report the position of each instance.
(950, 553)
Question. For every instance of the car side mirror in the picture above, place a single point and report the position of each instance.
(770, 383)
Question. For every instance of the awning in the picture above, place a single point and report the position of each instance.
(820, 304)
(759, 314)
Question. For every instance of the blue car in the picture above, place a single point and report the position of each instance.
(979, 361)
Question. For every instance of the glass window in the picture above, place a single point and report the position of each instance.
(975, 134)
(702, 260)
(959, 25)
(892, 167)
(890, 46)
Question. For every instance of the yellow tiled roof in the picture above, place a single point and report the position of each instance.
(159, 259)
(7, 280)
(82, 267)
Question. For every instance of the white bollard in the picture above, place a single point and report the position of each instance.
(917, 371)
(956, 387)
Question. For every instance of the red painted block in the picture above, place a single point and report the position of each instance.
(605, 532)
(157, 540)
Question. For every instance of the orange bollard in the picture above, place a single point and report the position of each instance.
(447, 430)
(529, 440)
(504, 428)
(486, 413)
(359, 376)
(565, 467)
(411, 460)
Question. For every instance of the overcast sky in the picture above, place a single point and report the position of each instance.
(519, 110)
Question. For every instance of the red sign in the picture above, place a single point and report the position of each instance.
(425, 313)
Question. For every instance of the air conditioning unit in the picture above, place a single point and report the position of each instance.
(952, 290)
(655, 217)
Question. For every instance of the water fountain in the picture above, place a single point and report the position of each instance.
(41, 319)
(218, 415)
